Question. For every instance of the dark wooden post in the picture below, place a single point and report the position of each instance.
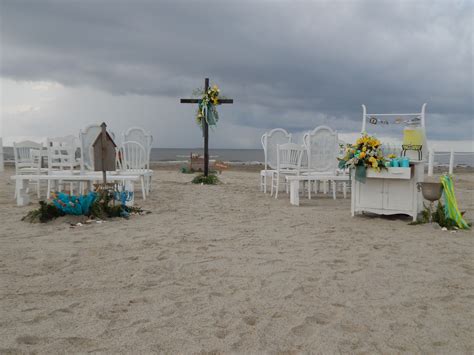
(205, 128)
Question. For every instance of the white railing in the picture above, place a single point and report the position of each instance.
(451, 155)
(1, 155)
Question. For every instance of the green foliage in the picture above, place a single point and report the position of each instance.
(186, 170)
(105, 207)
(438, 216)
(45, 213)
(212, 179)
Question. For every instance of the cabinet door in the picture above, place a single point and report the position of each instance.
(370, 194)
(398, 195)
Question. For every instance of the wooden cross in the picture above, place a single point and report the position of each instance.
(205, 126)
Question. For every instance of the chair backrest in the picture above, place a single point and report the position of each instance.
(289, 156)
(27, 155)
(270, 140)
(322, 146)
(133, 156)
(61, 153)
(87, 137)
(139, 135)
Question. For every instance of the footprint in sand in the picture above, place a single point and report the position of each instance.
(221, 334)
(310, 324)
(250, 320)
(28, 340)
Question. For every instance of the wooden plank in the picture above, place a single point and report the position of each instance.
(189, 101)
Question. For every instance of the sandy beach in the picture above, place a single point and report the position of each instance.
(226, 268)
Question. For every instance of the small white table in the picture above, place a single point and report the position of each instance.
(22, 181)
(295, 184)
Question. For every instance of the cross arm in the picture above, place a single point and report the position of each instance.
(226, 101)
(196, 101)
(189, 101)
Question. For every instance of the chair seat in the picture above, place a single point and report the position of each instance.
(267, 172)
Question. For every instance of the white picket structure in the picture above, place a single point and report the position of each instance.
(452, 154)
(2, 163)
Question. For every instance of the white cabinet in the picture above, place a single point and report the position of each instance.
(389, 192)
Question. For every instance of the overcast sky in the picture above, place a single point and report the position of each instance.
(291, 64)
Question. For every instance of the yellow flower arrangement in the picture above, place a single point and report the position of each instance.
(366, 153)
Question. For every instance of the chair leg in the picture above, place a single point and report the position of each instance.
(142, 179)
(344, 189)
(277, 184)
(273, 182)
(17, 184)
(333, 183)
(309, 189)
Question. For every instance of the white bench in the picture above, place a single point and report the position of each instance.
(22, 181)
(294, 182)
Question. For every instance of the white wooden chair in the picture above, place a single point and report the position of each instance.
(270, 140)
(62, 156)
(288, 163)
(28, 157)
(139, 135)
(134, 157)
(322, 147)
(87, 137)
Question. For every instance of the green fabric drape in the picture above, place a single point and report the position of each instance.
(451, 209)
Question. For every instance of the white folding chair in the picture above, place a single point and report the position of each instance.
(139, 135)
(28, 156)
(62, 156)
(322, 147)
(288, 163)
(134, 162)
(270, 140)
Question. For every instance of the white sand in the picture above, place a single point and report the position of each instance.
(228, 269)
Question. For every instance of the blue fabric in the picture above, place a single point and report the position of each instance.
(123, 196)
(75, 205)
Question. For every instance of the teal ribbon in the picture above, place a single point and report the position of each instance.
(209, 114)
(360, 173)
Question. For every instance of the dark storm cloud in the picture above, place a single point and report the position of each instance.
(291, 64)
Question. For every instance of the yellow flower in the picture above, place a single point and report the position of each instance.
(362, 155)
(364, 148)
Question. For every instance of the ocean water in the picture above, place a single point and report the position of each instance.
(252, 155)
(257, 156)
(228, 155)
